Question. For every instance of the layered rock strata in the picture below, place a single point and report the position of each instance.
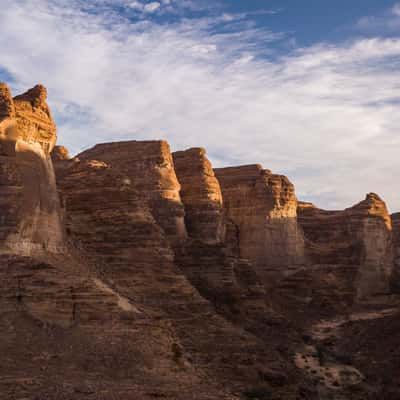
(31, 217)
(210, 257)
(396, 250)
(263, 206)
(360, 236)
(150, 168)
(201, 196)
(109, 222)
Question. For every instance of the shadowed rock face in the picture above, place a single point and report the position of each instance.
(150, 168)
(201, 196)
(359, 236)
(263, 206)
(396, 249)
(31, 217)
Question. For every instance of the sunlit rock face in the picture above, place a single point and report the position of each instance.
(150, 168)
(201, 196)
(360, 236)
(34, 121)
(31, 218)
(60, 153)
(263, 206)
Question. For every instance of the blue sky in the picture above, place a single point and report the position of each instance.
(308, 89)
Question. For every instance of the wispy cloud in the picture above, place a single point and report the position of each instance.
(386, 22)
(326, 115)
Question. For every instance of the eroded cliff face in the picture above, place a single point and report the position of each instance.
(263, 206)
(201, 196)
(160, 278)
(150, 167)
(396, 250)
(111, 224)
(210, 256)
(360, 236)
(31, 217)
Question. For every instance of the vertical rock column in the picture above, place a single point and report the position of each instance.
(201, 196)
(30, 216)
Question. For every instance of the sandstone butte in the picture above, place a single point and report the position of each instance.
(130, 272)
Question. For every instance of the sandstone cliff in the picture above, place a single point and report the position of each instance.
(149, 166)
(30, 205)
(111, 224)
(360, 236)
(396, 250)
(201, 195)
(263, 206)
(157, 277)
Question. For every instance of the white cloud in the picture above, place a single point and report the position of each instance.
(151, 7)
(396, 9)
(388, 21)
(327, 116)
(136, 5)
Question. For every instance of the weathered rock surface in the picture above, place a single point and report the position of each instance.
(201, 196)
(68, 335)
(34, 121)
(396, 250)
(111, 224)
(150, 168)
(360, 236)
(210, 257)
(31, 217)
(60, 153)
(159, 278)
(263, 206)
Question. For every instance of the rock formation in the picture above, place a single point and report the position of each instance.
(31, 218)
(143, 274)
(359, 236)
(263, 206)
(111, 223)
(396, 250)
(201, 195)
(34, 121)
(150, 168)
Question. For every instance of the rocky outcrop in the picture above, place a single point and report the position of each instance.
(60, 153)
(396, 250)
(109, 222)
(210, 257)
(263, 206)
(359, 236)
(160, 278)
(31, 217)
(150, 168)
(34, 121)
(201, 196)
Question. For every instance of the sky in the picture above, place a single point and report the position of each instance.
(309, 89)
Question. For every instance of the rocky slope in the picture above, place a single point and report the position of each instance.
(146, 274)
